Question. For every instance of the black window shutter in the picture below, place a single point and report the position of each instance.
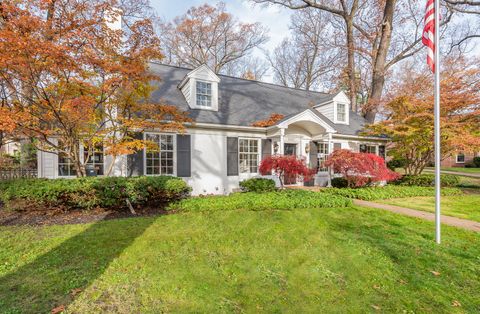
(232, 156)
(266, 149)
(184, 162)
(363, 148)
(381, 151)
(135, 160)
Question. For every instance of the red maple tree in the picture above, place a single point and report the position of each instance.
(272, 120)
(286, 166)
(360, 169)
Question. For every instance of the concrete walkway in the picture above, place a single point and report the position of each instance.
(446, 220)
(463, 174)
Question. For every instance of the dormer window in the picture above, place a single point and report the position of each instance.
(341, 112)
(200, 88)
(204, 94)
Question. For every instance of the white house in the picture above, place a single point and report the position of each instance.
(222, 148)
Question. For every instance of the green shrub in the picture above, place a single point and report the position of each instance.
(258, 185)
(446, 180)
(339, 183)
(396, 163)
(389, 191)
(470, 165)
(476, 161)
(280, 200)
(108, 192)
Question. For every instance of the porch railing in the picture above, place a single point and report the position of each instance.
(9, 174)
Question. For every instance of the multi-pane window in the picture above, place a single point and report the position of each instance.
(159, 154)
(322, 156)
(341, 112)
(66, 167)
(460, 158)
(371, 149)
(204, 94)
(248, 155)
(94, 158)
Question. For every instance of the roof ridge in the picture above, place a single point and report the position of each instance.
(244, 79)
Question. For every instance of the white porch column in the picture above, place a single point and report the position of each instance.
(282, 141)
(330, 150)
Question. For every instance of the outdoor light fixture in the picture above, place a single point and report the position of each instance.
(307, 148)
(275, 147)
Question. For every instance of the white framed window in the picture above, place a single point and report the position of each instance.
(66, 168)
(341, 112)
(248, 155)
(94, 157)
(204, 94)
(460, 158)
(322, 156)
(159, 156)
(371, 149)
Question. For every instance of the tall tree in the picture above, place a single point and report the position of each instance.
(209, 35)
(380, 34)
(342, 9)
(304, 60)
(409, 114)
(76, 81)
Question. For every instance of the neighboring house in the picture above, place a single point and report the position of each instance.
(459, 159)
(221, 148)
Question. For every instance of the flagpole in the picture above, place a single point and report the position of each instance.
(437, 121)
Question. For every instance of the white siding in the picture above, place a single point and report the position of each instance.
(327, 110)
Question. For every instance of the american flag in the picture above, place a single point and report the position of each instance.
(428, 38)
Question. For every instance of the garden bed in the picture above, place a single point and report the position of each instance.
(60, 217)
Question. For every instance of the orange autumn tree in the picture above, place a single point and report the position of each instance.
(75, 80)
(409, 114)
(272, 120)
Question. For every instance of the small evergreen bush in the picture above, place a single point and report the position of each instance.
(279, 200)
(86, 193)
(396, 163)
(339, 183)
(476, 161)
(446, 180)
(258, 185)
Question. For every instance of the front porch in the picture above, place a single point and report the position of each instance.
(307, 136)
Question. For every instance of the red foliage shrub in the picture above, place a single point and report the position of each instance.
(360, 169)
(289, 166)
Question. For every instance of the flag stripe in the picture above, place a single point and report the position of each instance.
(428, 38)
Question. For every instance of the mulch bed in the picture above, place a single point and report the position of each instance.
(61, 217)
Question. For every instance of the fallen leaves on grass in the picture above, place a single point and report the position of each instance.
(58, 309)
(455, 303)
(435, 273)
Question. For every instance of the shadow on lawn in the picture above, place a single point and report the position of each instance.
(54, 278)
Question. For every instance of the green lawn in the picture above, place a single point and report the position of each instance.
(311, 260)
(459, 169)
(465, 206)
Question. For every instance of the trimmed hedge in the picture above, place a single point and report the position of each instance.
(281, 200)
(446, 180)
(87, 193)
(258, 185)
(339, 182)
(389, 191)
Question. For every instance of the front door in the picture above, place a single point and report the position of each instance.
(290, 149)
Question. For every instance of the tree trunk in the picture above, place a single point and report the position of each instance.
(378, 74)
(351, 63)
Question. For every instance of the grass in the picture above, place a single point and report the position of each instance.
(465, 206)
(337, 260)
(459, 169)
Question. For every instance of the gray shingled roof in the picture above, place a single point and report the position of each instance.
(242, 102)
